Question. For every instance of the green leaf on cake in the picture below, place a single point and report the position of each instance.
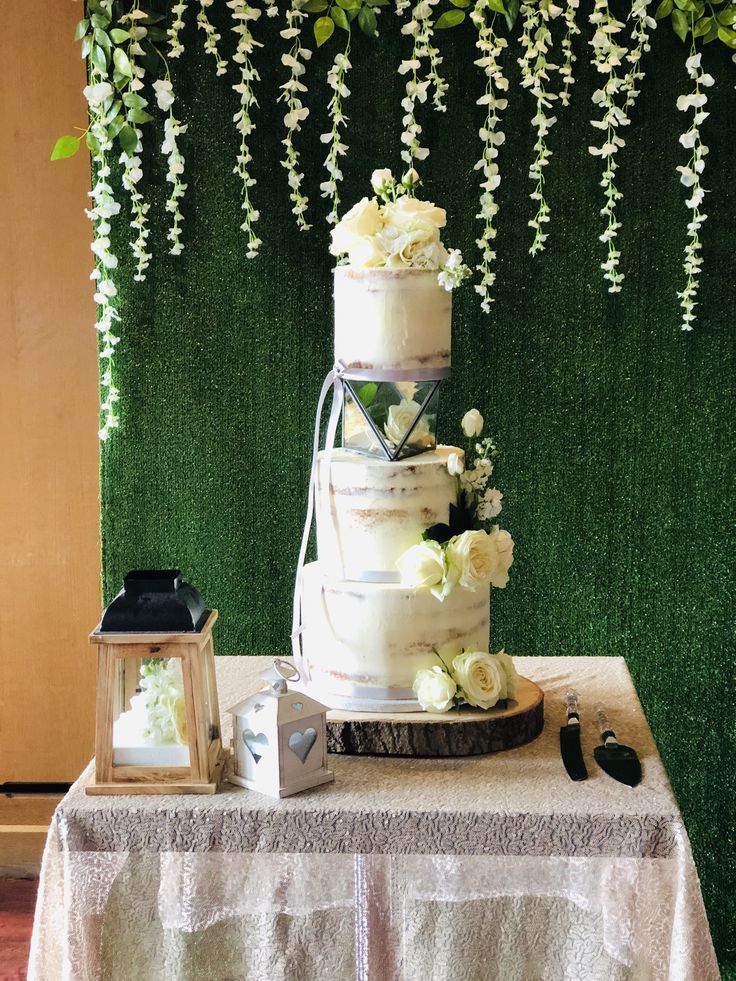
(439, 533)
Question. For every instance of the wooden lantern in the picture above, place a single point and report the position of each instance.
(280, 738)
(128, 762)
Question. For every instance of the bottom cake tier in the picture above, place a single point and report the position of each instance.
(363, 643)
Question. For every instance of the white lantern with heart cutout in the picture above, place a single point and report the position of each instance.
(279, 738)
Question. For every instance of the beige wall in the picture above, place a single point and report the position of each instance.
(49, 495)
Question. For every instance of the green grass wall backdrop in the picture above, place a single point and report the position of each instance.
(614, 426)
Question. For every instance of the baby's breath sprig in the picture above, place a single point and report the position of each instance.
(690, 177)
(243, 16)
(536, 41)
(212, 36)
(643, 23)
(490, 46)
(297, 112)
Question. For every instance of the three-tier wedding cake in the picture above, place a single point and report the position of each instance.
(401, 586)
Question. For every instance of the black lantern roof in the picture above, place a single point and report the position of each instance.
(155, 600)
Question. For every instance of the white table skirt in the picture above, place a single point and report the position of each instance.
(490, 867)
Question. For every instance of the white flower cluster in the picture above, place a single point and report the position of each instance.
(690, 175)
(172, 129)
(162, 691)
(402, 232)
(419, 28)
(336, 81)
(212, 37)
(177, 25)
(490, 47)
(536, 42)
(131, 177)
(568, 55)
(297, 112)
(472, 677)
(243, 16)
(607, 59)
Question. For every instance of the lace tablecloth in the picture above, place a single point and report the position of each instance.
(494, 867)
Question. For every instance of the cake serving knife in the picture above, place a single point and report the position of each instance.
(615, 759)
(572, 754)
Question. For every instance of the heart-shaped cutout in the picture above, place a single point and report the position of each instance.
(301, 742)
(298, 706)
(254, 743)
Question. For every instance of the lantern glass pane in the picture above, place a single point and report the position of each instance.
(391, 420)
(149, 713)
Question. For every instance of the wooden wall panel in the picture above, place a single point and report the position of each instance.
(49, 493)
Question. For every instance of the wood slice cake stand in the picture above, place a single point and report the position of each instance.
(459, 732)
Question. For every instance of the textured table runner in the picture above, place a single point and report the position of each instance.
(519, 802)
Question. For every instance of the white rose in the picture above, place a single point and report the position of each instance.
(419, 247)
(472, 423)
(381, 179)
(407, 213)
(435, 689)
(456, 464)
(422, 565)
(365, 252)
(471, 559)
(502, 546)
(506, 664)
(480, 678)
(364, 218)
(400, 418)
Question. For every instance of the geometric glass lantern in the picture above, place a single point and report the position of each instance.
(391, 420)
(158, 722)
(279, 738)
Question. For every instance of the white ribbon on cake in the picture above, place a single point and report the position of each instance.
(334, 381)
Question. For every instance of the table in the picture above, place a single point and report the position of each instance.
(452, 869)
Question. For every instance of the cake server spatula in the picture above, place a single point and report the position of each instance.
(615, 759)
(572, 754)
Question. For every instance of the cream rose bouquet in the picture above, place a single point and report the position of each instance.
(474, 678)
(468, 551)
(395, 230)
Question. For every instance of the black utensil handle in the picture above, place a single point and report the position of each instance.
(607, 734)
(571, 707)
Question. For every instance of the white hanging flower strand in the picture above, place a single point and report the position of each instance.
(607, 58)
(131, 159)
(175, 46)
(490, 48)
(244, 15)
(419, 28)
(536, 41)
(568, 55)
(297, 112)
(336, 81)
(212, 37)
(643, 24)
(690, 175)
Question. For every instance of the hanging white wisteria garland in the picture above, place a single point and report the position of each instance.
(128, 55)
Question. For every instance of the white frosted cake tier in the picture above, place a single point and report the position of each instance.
(363, 643)
(369, 511)
(391, 319)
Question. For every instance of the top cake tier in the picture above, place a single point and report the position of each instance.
(392, 320)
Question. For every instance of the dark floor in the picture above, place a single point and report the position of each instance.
(17, 902)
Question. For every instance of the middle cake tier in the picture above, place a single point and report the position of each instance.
(370, 511)
(363, 642)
